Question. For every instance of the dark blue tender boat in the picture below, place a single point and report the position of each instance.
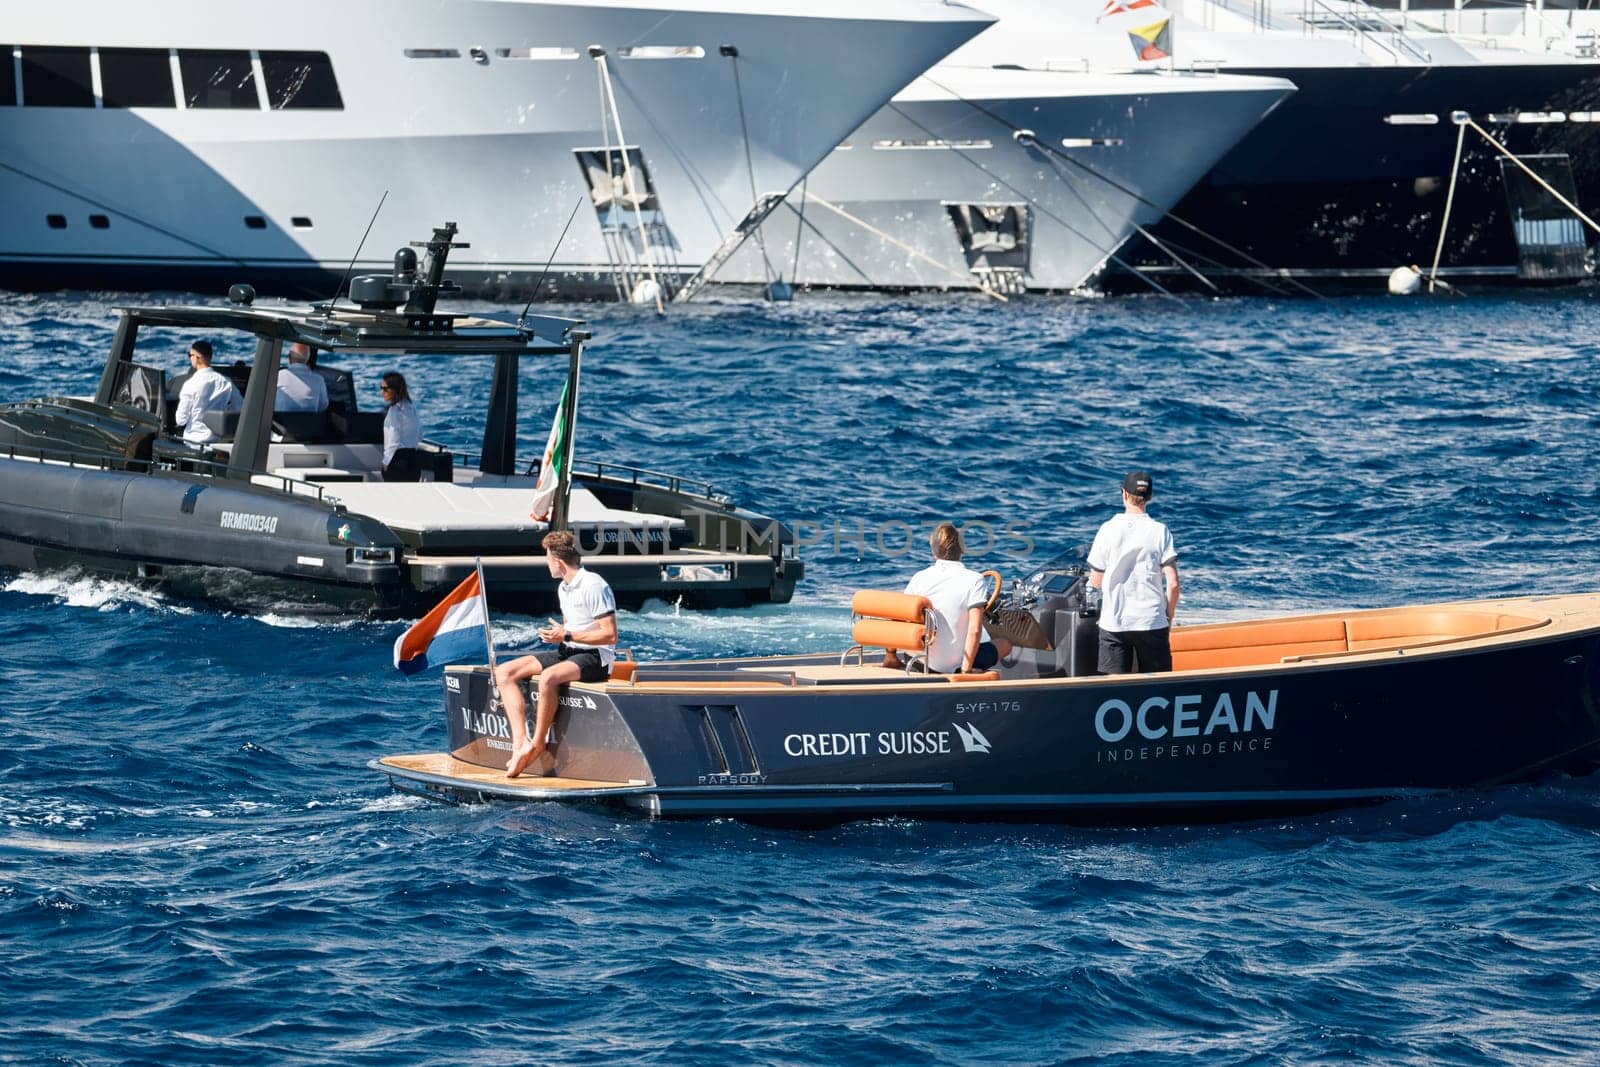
(1258, 717)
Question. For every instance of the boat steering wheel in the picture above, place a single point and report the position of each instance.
(994, 597)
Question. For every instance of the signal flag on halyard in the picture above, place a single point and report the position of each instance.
(1153, 41)
(555, 457)
(455, 629)
(1117, 7)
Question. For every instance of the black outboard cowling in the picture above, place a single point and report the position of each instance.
(1067, 610)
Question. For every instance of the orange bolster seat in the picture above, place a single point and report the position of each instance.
(622, 669)
(880, 604)
(888, 633)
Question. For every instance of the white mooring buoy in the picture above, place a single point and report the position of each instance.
(646, 292)
(1404, 281)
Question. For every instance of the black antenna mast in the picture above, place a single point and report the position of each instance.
(540, 283)
(329, 309)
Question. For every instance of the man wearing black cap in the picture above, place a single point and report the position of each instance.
(1135, 566)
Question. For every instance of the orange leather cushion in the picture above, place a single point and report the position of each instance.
(885, 633)
(881, 604)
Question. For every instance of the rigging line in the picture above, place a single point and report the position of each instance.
(1449, 200)
(1052, 150)
(627, 180)
(120, 213)
(749, 165)
(965, 276)
(1109, 254)
(1569, 205)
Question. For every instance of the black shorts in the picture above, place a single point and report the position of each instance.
(591, 668)
(1135, 651)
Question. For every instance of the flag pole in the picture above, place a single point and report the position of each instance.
(488, 634)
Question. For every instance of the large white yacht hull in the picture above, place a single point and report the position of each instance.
(484, 139)
(956, 136)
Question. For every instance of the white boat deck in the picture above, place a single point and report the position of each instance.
(435, 506)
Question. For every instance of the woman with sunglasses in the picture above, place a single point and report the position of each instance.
(401, 432)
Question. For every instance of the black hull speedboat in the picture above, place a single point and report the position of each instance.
(292, 507)
(1258, 718)
(1348, 180)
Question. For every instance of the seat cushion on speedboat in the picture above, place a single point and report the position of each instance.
(1241, 644)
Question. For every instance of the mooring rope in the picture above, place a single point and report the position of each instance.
(965, 276)
(1053, 151)
(749, 165)
(1449, 200)
(627, 180)
(1568, 204)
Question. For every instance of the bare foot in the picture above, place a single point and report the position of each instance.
(521, 757)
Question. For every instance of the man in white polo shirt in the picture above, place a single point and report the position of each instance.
(958, 596)
(1135, 566)
(586, 645)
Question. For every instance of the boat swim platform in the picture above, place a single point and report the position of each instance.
(439, 775)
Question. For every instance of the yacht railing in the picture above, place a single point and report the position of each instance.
(1500, 24)
(623, 472)
(1369, 29)
(61, 457)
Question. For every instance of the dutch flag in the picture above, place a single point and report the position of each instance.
(457, 628)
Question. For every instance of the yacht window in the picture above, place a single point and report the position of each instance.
(255, 222)
(537, 53)
(218, 79)
(300, 79)
(99, 222)
(662, 51)
(56, 222)
(57, 77)
(8, 77)
(433, 53)
(300, 222)
(136, 77)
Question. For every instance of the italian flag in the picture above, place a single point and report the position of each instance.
(556, 452)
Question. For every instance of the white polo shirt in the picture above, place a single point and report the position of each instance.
(954, 591)
(586, 597)
(1131, 549)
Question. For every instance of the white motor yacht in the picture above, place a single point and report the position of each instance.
(1351, 177)
(980, 176)
(227, 140)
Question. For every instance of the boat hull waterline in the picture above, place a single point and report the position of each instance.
(1316, 731)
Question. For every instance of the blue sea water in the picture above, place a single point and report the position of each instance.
(197, 867)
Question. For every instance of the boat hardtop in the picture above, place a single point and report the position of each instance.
(1258, 717)
(300, 498)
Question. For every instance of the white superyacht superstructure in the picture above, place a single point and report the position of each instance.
(228, 141)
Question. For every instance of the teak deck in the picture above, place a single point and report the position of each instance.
(447, 769)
